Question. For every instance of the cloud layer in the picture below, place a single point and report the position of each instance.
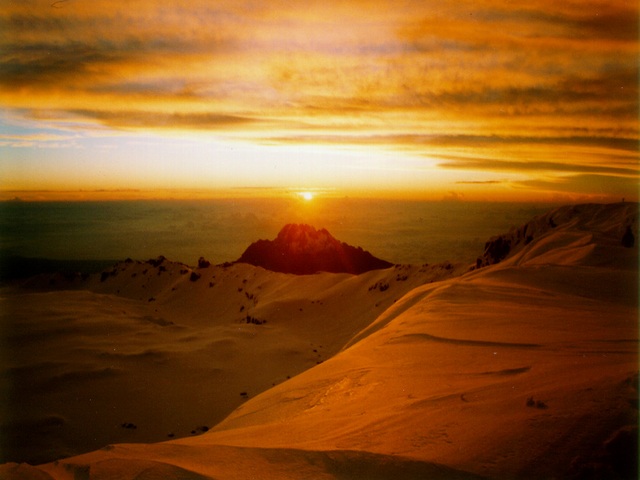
(484, 86)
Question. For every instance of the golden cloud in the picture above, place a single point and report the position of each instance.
(435, 77)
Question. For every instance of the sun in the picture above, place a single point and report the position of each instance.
(306, 195)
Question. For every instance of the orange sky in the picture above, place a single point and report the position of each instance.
(489, 100)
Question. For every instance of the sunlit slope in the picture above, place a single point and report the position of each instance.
(526, 368)
(153, 350)
(574, 235)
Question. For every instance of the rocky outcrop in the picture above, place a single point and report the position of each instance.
(628, 239)
(499, 247)
(302, 250)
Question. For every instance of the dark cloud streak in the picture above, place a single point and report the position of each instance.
(148, 119)
(610, 141)
(604, 185)
(538, 166)
(45, 65)
(479, 182)
(516, 87)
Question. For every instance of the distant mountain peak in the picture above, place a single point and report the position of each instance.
(301, 249)
(305, 238)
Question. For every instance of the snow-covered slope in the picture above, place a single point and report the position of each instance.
(527, 368)
(168, 348)
(598, 230)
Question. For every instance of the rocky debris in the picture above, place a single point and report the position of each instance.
(499, 247)
(203, 263)
(157, 261)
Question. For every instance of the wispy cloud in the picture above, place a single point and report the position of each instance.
(526, 166)
(606, 187)
(457, 81)
(479, 182)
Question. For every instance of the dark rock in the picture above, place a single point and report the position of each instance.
(202, 263)
(156, 262)
(382, 286)
(541, 405)
(254, 321)
(302, 250)
(628, 239)
(622, 450)
(495, 250)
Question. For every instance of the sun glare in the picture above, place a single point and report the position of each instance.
(306, 195)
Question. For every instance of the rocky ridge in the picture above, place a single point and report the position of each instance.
(587, 217)
(301, 249)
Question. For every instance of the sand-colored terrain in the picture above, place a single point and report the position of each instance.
(170, 349)
(524, 368)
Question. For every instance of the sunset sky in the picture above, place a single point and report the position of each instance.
(477, 100)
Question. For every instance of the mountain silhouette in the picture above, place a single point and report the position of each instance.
(303, 250)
